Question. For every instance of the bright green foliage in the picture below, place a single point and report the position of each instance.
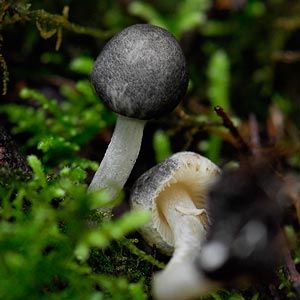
(53, 243)
(218, 74)
(82, 65)
(110, 231)
(60, 128)
(44, 225)
(219, 79)
(161, 145)
(188, 14)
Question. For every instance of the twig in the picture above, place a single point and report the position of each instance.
(288, 23)
(292, 272)
(296, 204)
(274, 291)
(141, 254)
(61, 21)
(287, 57)
(243, 147)
(254, 136)
(191, 120)
(187, 122)
(22, 14)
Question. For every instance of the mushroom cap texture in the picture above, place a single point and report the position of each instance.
(141, 72)
(191, 171)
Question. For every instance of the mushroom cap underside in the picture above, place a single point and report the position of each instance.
(190, 171)
(141, 72)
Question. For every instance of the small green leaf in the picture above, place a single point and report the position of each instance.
(56, 144)
(82, 252)
(37, 168)
(255, 297)
(236, 296)
(216, 296)
(219, 79)
(49, 105)
(75, 174)
(82, 65)
(161, 145)
(147, 12)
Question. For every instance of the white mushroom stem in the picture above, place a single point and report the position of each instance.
(180, 277)
(120, 156)
(182, 282)
(183, 218)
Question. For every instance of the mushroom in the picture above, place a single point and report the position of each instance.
(175, 191)
(244, 243)
(140, 74)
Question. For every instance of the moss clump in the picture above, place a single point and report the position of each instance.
(53, 243)
(50, 250)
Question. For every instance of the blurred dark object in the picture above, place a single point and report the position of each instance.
(244, 241)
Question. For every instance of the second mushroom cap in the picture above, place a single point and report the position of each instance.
(184, 171)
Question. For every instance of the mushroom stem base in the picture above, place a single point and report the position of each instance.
(180, 280)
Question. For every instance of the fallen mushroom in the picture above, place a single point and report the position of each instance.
(243, 243)
(175, 191)
(140, 74)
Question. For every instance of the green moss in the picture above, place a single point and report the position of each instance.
(43, 225)
(54, 244)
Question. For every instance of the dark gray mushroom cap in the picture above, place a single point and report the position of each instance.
(191, 171)
(141, 72)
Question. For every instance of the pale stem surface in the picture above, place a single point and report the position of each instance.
(188, 231)
(180, 280)
(120, 156)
